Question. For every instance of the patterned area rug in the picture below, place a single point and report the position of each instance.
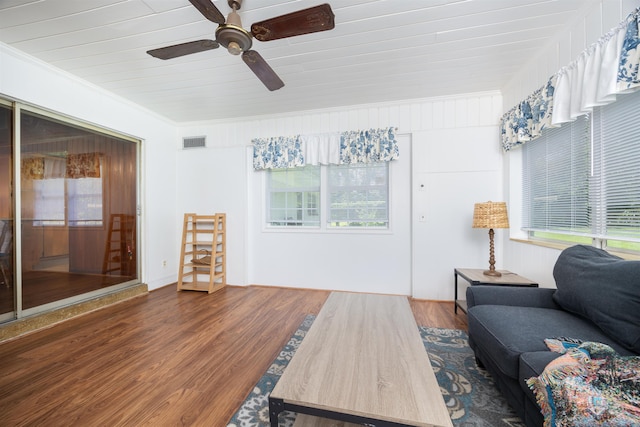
(469, 392)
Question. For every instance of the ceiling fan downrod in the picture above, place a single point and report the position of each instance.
(235, 4)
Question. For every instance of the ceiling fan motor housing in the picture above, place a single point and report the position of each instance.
(231, 34)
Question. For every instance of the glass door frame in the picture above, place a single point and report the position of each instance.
(12, 315)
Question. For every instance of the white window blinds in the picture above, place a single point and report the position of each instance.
(616, 140)
(556, 180)
(583, 178)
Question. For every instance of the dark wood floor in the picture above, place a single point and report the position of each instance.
(168, 358)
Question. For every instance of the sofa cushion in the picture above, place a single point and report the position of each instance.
(532, 364)
(504, 332)
(603, 288)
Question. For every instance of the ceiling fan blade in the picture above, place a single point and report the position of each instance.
(261, 69)
(305, 21)
(183, 49)
(208, 10)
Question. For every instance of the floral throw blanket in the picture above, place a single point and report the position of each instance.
(589, 385)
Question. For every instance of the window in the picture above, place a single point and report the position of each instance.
(581, 181)
(48, 202)
(55, 195)
(85, 201)
(616, 141)
(556, 182)
(358, 195)
(293, 197)
(340, 196)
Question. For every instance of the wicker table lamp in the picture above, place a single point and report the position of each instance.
(491, 215)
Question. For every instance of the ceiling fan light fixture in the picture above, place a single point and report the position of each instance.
(234, 48)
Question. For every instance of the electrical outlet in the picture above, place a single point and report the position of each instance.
(164, 262)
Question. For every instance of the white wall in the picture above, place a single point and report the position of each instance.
(535, 262)
(453, 169)
(28, 80)
(456, 155)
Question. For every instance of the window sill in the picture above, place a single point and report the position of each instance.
(551, 245)
(328, 231)
(562, 246)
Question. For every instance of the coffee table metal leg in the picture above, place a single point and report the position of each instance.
(455, 287)
(275, 407)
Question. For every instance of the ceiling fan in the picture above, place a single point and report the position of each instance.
(237, 40)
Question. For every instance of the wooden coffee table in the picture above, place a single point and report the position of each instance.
(363, 362)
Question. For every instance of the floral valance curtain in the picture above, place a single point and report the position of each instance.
(83, 165)
(32, 168)
(366, 146)
(278, 152)
(607, 68)
(74, 166)
(525, 121)
(371, 146)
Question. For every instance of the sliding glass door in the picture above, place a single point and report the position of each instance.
(77, 224)
(78, 210)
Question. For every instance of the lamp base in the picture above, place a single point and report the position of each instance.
(493, 273)
(492, 260)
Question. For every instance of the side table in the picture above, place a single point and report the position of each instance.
(475, 277)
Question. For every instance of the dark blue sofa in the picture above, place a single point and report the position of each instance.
(597, 299)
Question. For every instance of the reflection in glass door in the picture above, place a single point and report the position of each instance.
(7, 282)
(78, 190)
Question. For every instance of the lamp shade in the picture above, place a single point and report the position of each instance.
(490, 215)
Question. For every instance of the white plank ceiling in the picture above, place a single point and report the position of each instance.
(379, 51)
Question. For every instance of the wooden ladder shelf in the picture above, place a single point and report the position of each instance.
(120, 246)
(203, 253)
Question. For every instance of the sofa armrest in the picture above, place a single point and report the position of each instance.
(510, 295)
